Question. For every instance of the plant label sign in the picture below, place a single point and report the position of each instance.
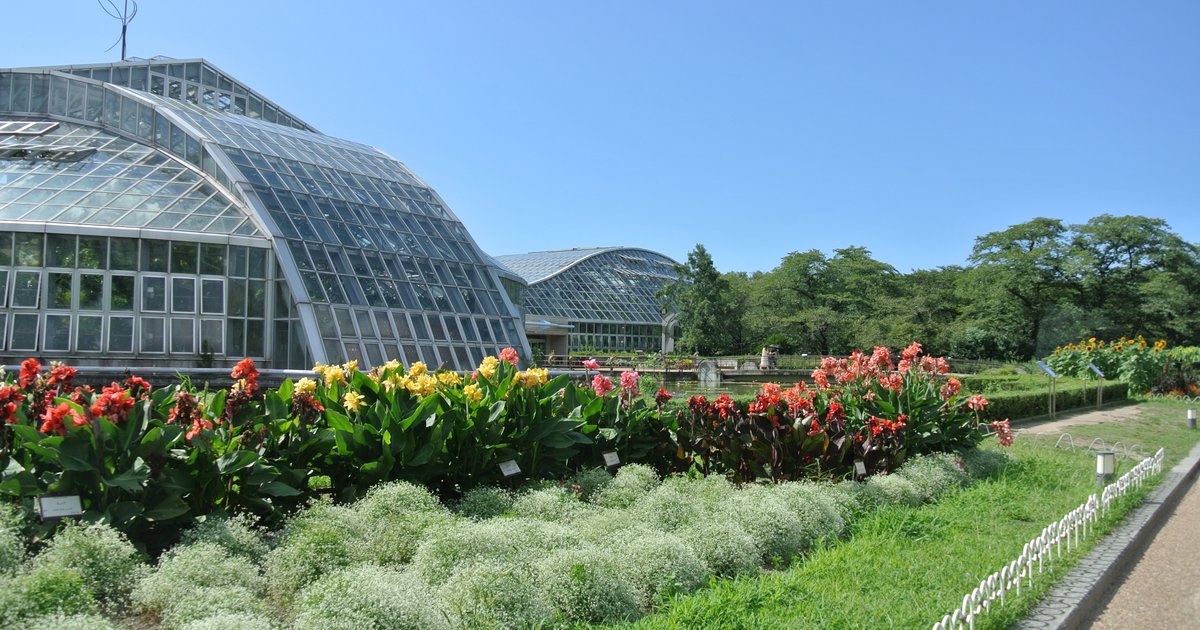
(509, 468)
(59, 506)
(1046, 368)
(1095, 370)
(860, 468)
(611, 459)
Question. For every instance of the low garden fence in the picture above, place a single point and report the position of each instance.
(1072, 529)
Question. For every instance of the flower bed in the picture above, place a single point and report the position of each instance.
(149, 461)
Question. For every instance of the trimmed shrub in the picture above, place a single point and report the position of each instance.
(658, 565)
(724, 547)
(205, 601)
(554, 504)
(102, 556)
(590, 481)
(319, 540)
(585, 587)
(776, 530)
(671, 505)
(398, 497)
(632, 482)
(884, 490)
(483, 502)
(368, 596)
(817, 508)
(43, 590)
(231, 621)
(934, 475)
(510, 540)
(187, 568)
(235, 534)
(494, 594)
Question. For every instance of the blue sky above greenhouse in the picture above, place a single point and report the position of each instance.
(755, 129)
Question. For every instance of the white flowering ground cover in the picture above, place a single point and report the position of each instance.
(595, 549)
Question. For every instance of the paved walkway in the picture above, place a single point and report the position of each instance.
(1163, 589)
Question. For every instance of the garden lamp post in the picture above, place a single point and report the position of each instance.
(1191, 418)
(1106, 462)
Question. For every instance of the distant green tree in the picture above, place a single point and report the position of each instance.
(1021, 274)
(708, 314)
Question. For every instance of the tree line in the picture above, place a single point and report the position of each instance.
(1024, 291)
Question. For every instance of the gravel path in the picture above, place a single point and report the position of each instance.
(1163, 588)
(1123, 412)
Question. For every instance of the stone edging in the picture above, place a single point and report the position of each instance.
(1078, 597)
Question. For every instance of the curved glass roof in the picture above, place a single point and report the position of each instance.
(375, 261)
(120, 183)
(608, 284)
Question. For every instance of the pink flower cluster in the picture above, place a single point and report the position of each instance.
(1003, 432)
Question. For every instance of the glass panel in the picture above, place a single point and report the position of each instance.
(256, 299)
(364, 323)
(152, 339)
(154, 293)
(154, 255)
(24, 332)
(91, 291)
(123, 254)
(212, 336)
(60, 250)
(6, 250)
(26, 285)
(120, 334)
(345, 323)
(58, 332)
(60, 292)
(212, 259)
(183, 257)
(258, 262)
(29, 250)
(255, 336)
(183, 295)
(121, 293)
(89, 333)
(183, 335)
(235, 335)
(237, 261)
(3, 293)
(212, 299)
(93, 252)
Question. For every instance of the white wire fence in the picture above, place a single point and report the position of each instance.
(1070, 531)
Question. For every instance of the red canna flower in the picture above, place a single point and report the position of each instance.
(61, 374)
(30, 369)
(976, 403)
(10, 400)
(602, 385)
(54, 418)
(662, 396)
(510, 355)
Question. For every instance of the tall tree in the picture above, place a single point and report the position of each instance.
(1025, 266)
(707, 315)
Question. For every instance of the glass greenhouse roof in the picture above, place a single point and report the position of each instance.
(612, 284)
(377, 264)
(121, 183)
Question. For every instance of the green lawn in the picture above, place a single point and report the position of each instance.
(906, 567)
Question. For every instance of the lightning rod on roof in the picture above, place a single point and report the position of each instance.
(124, 16)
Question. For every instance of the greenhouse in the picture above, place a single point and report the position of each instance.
(158, 212)
(603, 299)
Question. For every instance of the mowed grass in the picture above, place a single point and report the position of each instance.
(907, 567)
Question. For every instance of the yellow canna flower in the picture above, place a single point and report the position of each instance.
(417, 369)
(487, 369)
(350, 367)
(352, 401)
(473, 393)
(392, 365)
(305, 386)
(449, 379)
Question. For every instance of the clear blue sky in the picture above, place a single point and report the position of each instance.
(756, 128)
